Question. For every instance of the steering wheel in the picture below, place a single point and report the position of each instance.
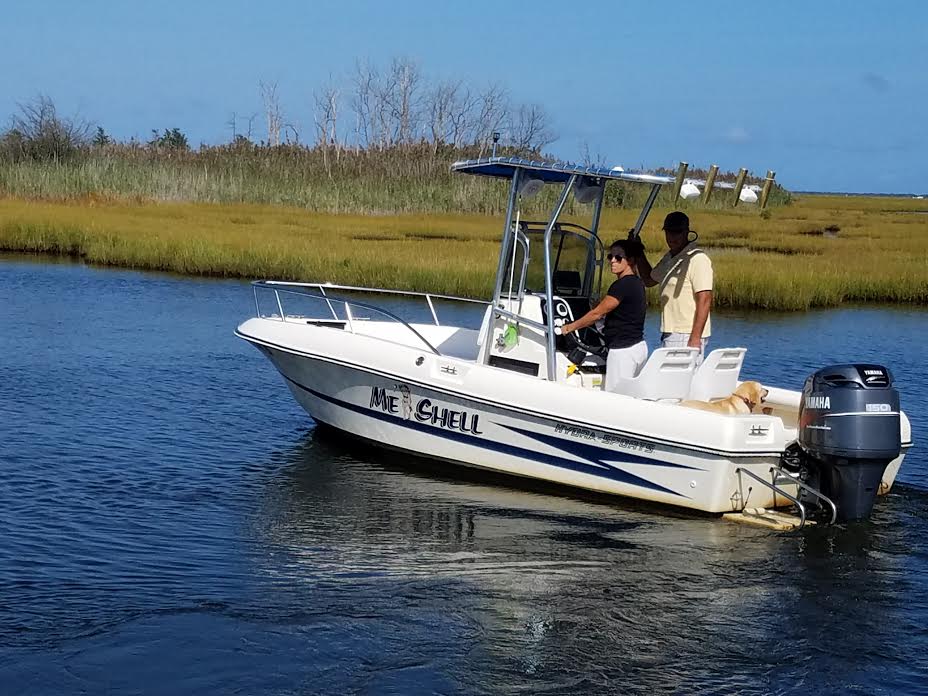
(592, 342)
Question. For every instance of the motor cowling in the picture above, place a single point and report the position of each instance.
(849, 429)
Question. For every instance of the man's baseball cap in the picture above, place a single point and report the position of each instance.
(676, 222)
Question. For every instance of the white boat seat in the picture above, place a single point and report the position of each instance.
(717, 377)
(666, 375)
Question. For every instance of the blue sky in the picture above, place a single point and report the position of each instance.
(831, 95)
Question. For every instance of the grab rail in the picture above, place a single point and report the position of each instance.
(299, 289)
(373, 291)
(780, 476)
(519, 319)
(782, 473)
(278, 288)
(802, 509)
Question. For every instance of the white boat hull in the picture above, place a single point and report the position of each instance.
(479, 416)
(436, 424)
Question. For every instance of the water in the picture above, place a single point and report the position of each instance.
(173, 523)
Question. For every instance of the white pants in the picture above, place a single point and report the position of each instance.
(624, 362)
(680, 340)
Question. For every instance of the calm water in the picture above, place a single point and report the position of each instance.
(172, 523)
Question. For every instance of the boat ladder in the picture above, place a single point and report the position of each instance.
(778, 520)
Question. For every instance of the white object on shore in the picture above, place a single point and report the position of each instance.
(688, 191)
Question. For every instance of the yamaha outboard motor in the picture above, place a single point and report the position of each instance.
(849, 429)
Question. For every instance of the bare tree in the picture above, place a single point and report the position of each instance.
(442, 106)
(40, 133)
(382, 111)
(403, 100)
(272, 111)
(460, 116)
(325, 114)
(365, 83)
(529, 128)
(450, 107)
(291, 131)
(239, 138)
(400, 107)
(492, 112)
(372, 106)
(251, 127)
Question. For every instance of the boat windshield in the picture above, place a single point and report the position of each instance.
(576, 259)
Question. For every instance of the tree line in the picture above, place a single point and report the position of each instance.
(380, 140)
(377, 109)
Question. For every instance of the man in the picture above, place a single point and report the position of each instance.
(685, 277)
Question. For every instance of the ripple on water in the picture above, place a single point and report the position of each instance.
(171, 517)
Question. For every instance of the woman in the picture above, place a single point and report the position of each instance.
(623, 308)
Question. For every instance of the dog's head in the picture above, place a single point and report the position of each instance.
(752, 393)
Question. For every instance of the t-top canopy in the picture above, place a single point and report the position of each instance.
(549, 172)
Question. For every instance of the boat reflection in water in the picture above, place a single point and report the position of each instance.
(506, 582)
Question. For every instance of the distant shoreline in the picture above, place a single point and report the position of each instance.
(820, 251)
(913, 196)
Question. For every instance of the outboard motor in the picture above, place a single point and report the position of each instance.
(849, 430)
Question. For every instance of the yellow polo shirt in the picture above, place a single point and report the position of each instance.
(680, 278)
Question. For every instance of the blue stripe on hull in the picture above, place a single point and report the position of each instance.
(600, 469)
(270, 348)
(596, 453)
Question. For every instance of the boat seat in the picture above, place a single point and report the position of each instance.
(666, 375)
(717, 377)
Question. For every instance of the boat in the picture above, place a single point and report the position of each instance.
(506, 393)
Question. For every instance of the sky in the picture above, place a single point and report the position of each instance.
(831, 95)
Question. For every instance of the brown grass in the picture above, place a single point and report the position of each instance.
(878, 253)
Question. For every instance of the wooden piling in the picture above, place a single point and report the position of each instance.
(678, 184)
(739, 184)
(768, 184)
(710, 182)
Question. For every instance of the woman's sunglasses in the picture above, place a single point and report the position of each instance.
(615, 257)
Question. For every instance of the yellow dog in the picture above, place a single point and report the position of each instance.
(742, 400)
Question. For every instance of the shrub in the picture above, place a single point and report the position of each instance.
(38, 133)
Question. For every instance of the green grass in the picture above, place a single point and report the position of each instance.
(876, 250)
(408, 179)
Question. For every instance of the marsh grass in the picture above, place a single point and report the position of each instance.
(879, 253)
(405, 179)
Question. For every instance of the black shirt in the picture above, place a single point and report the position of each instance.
(625, 324)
